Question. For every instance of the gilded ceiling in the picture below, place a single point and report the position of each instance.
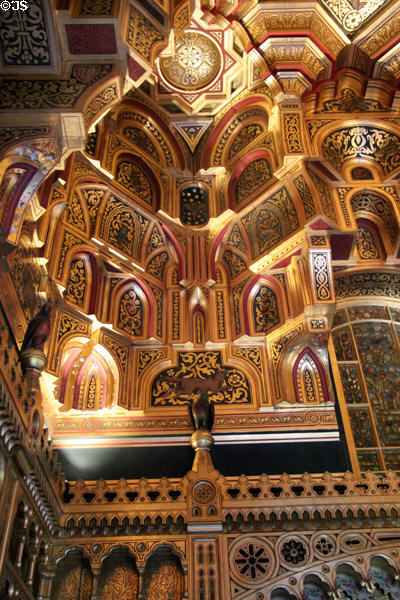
(207, 187)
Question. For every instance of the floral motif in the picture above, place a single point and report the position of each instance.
(104, 98)
(194, 64)
(252, 561)
(120, 351)
(237, 294)
(130, 313)
(157, 265)
(203, 492)
(121, 584)
(324, 545)
(143, 37)
(58, 93)
(270, 222)
(203, 365)
(324, 196)
(165, 582)
(293, 133)
(155, 240)
(294, 552)
(306, 196)
(352, 391)
(8, 134)
(265, 310)
(139, 138)
(350, 102)
(75, 213)
(69, 241)
(253, 112)
(368, 284)
(350, 18)
(24, 36)
(366, 243)
(93, 199)
(252, 178)
(253, 355)
(147, 357)
(74, 583)
(363, 141)
(236, 239)
(236, 264)
(245, 136)
(76, 285)
(123, 227)
(135, 180)
(151, 128)
(96, 7)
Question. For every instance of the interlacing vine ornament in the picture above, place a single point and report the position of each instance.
(121, 584)
(76, 285)
(235, 263)
(380, 145)
(165, 583)
(157, 265)
(236, 239)
(321, 274)
(24, 36)
(257, 113)
(366, 244)
(143, 37)
(324, 195)
(141, 139)
(135, 180)
(265, 310)
(123, 227)
(368, 284)
(253, 177)
(293, 133)
(245, 136)
(306, 196)
(350, 102)
(270, 222)
(57, 93)
(74, 584)
(202, 365)
(147, 124)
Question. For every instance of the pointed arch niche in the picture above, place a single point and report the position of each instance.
(303, 377)
(309, 379)
(264, 306)
(375, 213)
(163, 576)
(89, 378)
(132, 309)
(73, 578)
(82, 282)
(118, 577)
